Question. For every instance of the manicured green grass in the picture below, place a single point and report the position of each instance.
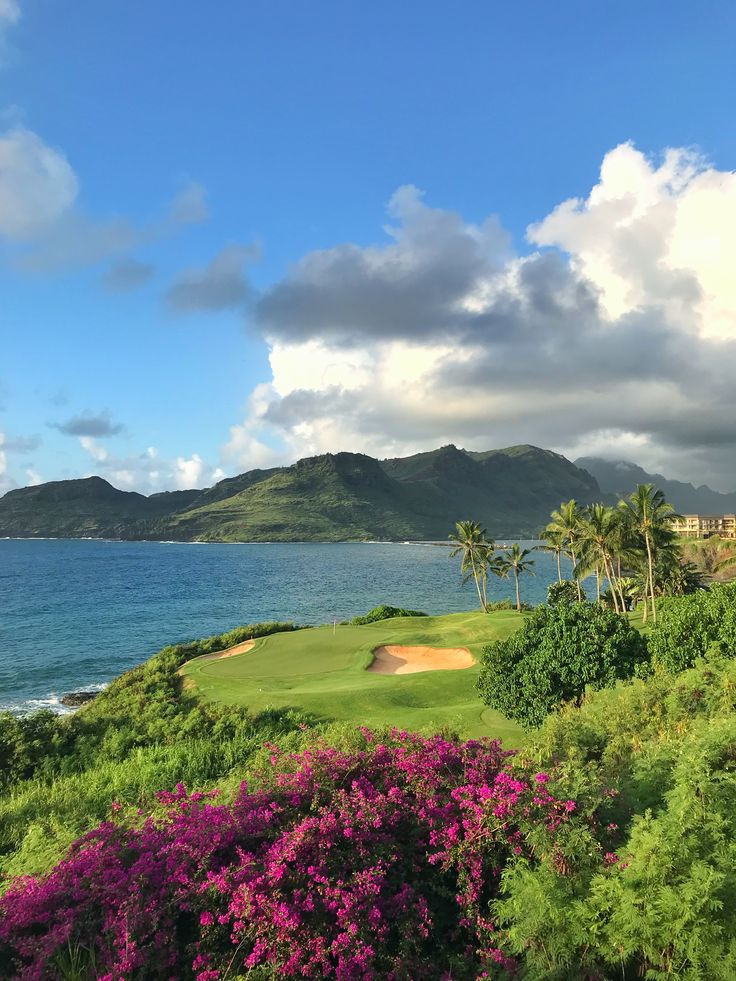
(324, 673)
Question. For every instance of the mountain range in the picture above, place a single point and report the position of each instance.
(618, 477)
(333, 497)
(346, 497)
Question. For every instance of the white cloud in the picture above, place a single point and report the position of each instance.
(40, 215)
(188, 472)
(655, 234)
(33, 477)
(148, 472)
(98, 452)
(37, 185)
(620, 333)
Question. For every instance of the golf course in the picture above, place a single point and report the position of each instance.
(416, 673)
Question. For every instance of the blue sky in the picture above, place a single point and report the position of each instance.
(264, 132)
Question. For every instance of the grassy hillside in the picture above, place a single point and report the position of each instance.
(333, 497)
(324, 674)
(90, 507)
(325, 498)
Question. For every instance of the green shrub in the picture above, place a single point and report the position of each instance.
(505, 604)
(688, 626)
(649, 889)
(564, 592)
(384, 612)
(557, 654)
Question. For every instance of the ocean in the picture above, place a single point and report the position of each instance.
(74, 614)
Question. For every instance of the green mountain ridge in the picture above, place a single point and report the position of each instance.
(332, 497)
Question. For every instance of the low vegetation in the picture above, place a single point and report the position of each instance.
(223, 818)
(384, 612)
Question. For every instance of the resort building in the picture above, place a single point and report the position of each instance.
(706, 525)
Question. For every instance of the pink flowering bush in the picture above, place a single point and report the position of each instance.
(378, 862)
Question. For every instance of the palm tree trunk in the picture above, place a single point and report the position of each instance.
(608, 566)
(651, 577)
(559, 568)
(477, 584)
(577, 581)
(598, 582)
(518, 595)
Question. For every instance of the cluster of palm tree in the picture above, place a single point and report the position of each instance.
(632, 547)
(480, 558)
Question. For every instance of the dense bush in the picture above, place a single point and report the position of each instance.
(378, 862)
(687, 626)
(565, 591)
(557, 654)
(385, 612)
(655, 763)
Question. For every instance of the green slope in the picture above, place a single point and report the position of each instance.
(90, 507)
(324, 672)
(334, 497)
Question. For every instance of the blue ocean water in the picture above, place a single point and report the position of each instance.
(74, 614)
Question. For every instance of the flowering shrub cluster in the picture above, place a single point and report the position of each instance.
(379, 862)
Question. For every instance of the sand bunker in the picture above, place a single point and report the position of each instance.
(396, 659)
(243, 648)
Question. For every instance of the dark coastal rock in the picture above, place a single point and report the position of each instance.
(74, 699)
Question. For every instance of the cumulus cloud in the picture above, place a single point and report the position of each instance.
(410, 288)
(89, 424)
(48, 230)
(188, 472)
(649, 234)
(617, 329)
(220, 285)
(148, 472)
(94, 448)
(127, 275)
(37, 185)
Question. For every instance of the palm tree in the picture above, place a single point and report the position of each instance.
(650, 516)
(516, 561)
(497, 565)
(566, 522)
(471, 541)
(729, 562)
(555, 543)
(599, 540)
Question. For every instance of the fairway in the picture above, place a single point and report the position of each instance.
(324, 671)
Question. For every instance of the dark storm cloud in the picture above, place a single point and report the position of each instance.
(220, 285)
(89, 424)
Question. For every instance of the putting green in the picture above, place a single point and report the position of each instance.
(323, 671)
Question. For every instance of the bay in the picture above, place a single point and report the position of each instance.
(76, 613)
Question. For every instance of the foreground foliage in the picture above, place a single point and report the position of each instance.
(58, 774)
(655, 762)
(690, 625)
(380, 861)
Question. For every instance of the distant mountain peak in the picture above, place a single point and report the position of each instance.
(620, 477)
